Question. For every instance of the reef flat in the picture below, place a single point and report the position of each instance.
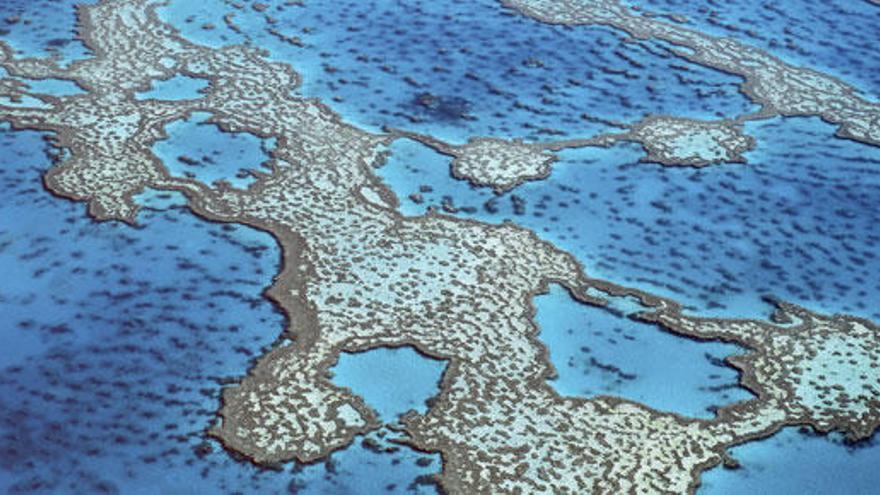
(671, 141)
(359, 275)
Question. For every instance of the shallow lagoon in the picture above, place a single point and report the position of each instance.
(200, 150)
(179, 87)
(596, 352)
(391, 380)
(54, 87)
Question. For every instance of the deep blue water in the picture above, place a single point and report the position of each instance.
(838, 37)
(798, 462)
(596, 352)
(116, 341)
(482, 71)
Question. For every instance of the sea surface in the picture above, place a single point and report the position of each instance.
(797, 461)
(41, 28)
(483, 70)
(118, 339)
(391, 380)
(837, 37)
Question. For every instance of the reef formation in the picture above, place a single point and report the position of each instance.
(358, 275)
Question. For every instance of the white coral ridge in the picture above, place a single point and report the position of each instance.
(500, 164)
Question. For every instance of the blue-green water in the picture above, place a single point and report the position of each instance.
(39, 28)
(596, 352)
(179, 87)
(481, 71)
(200, 150)
(116, 341)
(55, 87)
(796, 462)
(834, 36)
(392, 381)
(116, 338)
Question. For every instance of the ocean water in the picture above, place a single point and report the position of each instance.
(837, 37)
(482, 71)
(798, 222)
(202, 151)
(393, 381)
(597, 352)
(117, 340)
(796, 461)
(40, 28)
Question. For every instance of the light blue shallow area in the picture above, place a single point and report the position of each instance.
(391, 380)
(481, 71)
(54, 87)
(42, 28)
(23, 102)
(202, 151)
(838, 37)
(179, 87)
(115, 342)
(797, 462)
(799, 222)
(51, 87)
(596, 352)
